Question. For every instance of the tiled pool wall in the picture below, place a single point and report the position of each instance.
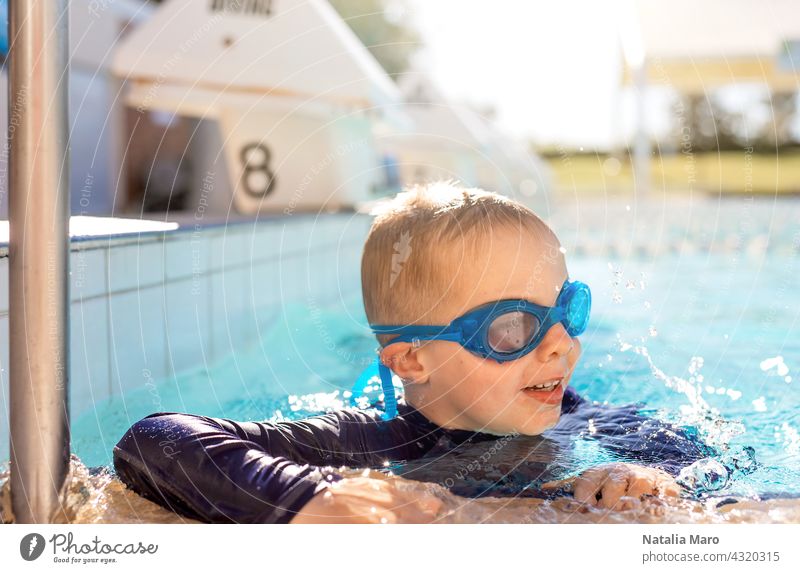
(149, 306)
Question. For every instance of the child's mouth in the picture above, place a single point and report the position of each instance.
(549, 392)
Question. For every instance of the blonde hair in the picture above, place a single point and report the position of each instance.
(410, 259)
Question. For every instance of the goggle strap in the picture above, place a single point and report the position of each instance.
(362, 381)
(389, 397)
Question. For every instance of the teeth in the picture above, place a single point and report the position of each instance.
(546, 385)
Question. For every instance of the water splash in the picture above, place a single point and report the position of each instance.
(713, 473)
(776, 367)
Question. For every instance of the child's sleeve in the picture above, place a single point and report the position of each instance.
(221, 471)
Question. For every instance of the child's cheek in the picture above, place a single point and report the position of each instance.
(576, 352)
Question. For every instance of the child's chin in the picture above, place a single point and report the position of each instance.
(536, 427)
(527, 428)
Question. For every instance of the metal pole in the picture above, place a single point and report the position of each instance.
(38, 257)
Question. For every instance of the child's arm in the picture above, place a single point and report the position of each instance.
(219, 470)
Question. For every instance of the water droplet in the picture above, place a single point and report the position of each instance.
(777, 363)
(704, 475)
(733, 394)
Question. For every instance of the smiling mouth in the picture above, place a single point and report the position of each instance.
(548, 386)
(550, 392)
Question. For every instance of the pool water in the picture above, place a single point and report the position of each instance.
(707, 343)
(696, 327)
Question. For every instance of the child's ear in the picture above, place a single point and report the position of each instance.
(401, 357)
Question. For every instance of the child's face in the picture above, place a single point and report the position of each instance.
(458, 389)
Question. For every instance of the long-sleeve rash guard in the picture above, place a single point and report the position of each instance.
(223, 471)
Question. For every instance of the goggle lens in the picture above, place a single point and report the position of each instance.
(577, 311)
(512, 331)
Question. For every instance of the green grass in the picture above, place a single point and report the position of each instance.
(734, 172)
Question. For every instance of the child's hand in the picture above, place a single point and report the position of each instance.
(368, 500)
(611, 482)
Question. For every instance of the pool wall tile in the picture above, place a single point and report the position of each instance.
(136, 266)
(89, 355)
(4, 420)
(261, 284)
(292, 279)
(293, 237)
(188, 319)
(263, 243)
(88, 274)
(138, 338)
(228, 248)
(3, 285)
(149, 308)
(185, 256)
(228, 307)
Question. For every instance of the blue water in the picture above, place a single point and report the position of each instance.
(709, 343)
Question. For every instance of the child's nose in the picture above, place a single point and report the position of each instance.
(556, 343)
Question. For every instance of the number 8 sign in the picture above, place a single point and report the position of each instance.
(257, 178)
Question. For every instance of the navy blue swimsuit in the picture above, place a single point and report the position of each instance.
(223, 471)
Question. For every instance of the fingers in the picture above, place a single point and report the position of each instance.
(619, 486)
(587, 486)
(614, 487)
(561, 483)
(669, 488)
(640, 485)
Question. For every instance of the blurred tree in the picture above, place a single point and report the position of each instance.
(384, 28)
(765, 124)
(779, 131)
(708, 124)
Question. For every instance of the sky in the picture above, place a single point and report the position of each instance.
(551, 69)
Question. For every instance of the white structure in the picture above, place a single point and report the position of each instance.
(285, 94)
(722, 42)
(95, 110)
(450, 141)
(697, 47)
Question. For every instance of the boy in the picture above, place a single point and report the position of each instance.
(436, 256)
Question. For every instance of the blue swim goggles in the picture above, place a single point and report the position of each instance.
(502, 330)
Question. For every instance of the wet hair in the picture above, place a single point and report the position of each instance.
(418, 241)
